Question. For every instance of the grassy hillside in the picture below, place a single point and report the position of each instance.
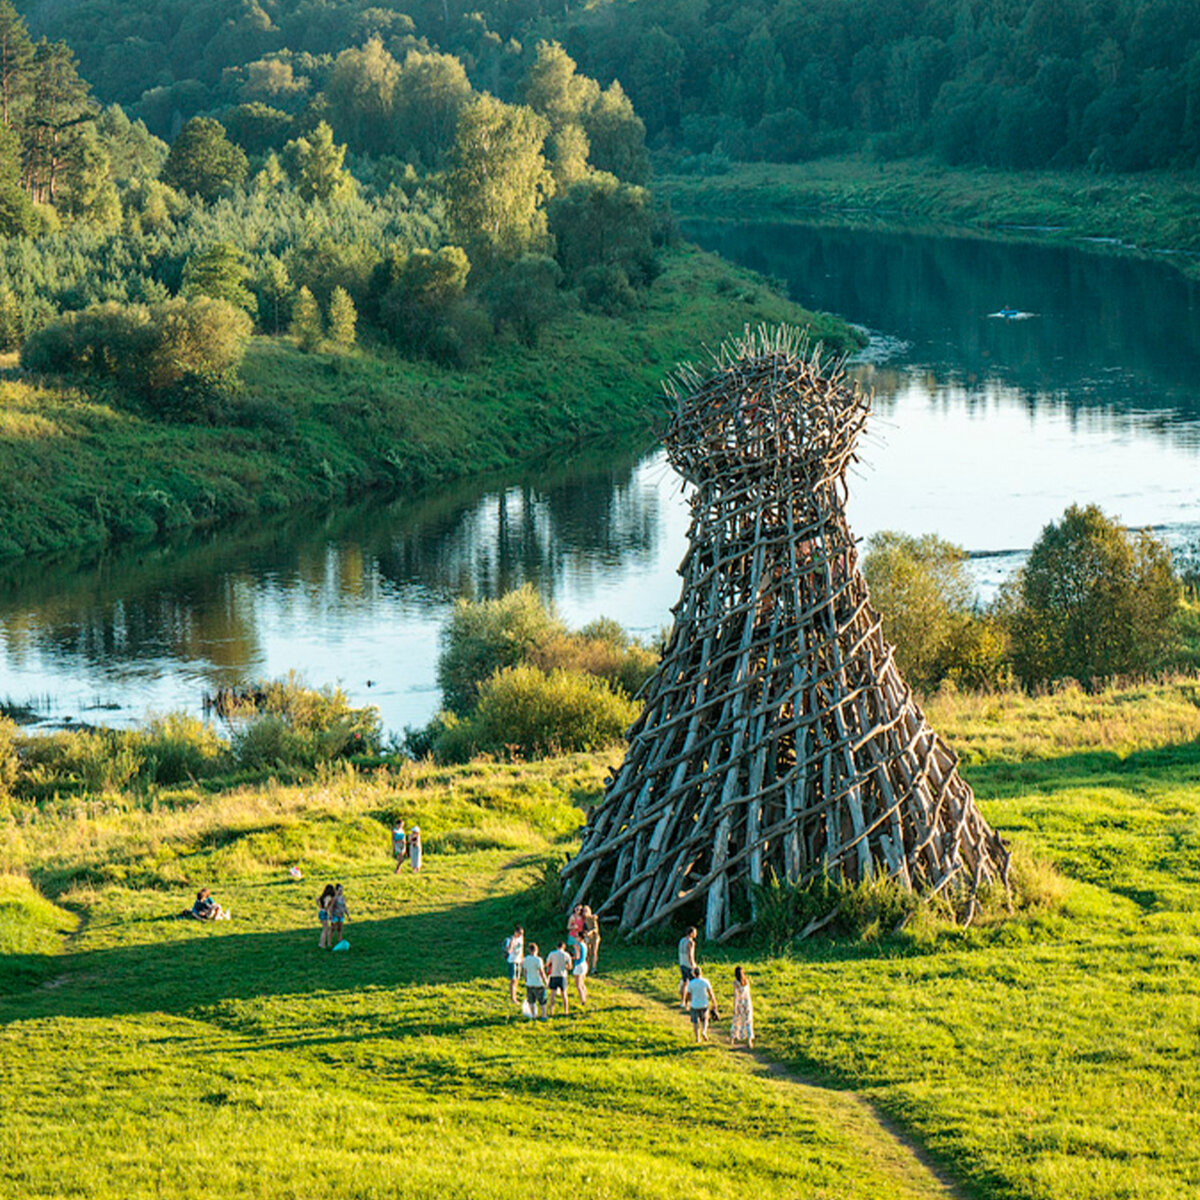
(82, 467)
(1154, 211)
(1051, 1055)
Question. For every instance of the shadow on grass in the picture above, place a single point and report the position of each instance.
(208, 963)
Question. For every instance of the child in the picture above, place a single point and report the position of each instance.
(399, 844)
(742, 1028)
(414, 848)
(337, 915)
(580, 971)
(324, 900)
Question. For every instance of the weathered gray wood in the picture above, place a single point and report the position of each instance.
(777, 735)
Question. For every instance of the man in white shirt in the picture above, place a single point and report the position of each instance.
(558, 966)
(514, 952)
(700, 998)
(535, 982)
(687, 963)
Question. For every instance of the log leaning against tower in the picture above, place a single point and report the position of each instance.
(777, 735)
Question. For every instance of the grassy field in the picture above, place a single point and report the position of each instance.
(80, 467)
(1051, 1055)
(1155, 211)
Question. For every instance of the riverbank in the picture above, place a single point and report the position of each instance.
(1153, 212)
(82, 468)
(1009, 1051)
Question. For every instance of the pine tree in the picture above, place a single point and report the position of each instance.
(306, 321)
(16, 63)
(342, 318)
(58, 109)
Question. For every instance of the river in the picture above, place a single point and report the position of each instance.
(985, 428)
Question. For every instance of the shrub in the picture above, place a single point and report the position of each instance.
(621, 662)
(101, 760)
(485, 636)
(1093, 600)
(179, 747)
(191, 346)
(283, 723)
(526, 712)
(925, 594)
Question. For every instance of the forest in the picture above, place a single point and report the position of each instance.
(398, 198)
(1107, 84)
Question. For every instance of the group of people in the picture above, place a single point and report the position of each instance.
(206, 908)
(696, 996)
(546, 979)
(406, 846)
(331, 913)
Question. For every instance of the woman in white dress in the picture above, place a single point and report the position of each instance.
(742, 1029)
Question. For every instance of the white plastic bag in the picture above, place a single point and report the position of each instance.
(527, 1010)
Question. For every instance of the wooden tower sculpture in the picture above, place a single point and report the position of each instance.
(777, 734)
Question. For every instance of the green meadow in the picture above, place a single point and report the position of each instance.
(1050, 1053)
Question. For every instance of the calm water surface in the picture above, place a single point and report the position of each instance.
(985, 429)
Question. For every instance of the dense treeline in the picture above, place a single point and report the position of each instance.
(397, 198)
(1113, 84)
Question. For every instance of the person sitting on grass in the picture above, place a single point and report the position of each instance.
(207, 909)
(558, 966)
(535, 983)
(700, 997)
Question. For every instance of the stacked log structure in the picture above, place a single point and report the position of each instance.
(777, 736)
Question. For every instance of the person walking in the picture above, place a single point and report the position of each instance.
(742, 1028)
(687, 963)
(579, 971)
(559, 963)
(399, 844)
(324, 900)
(535, 983)
(591, 936)
(414, 848)
(337, 915)
(700, 999)
(514, 952)
(575, 927)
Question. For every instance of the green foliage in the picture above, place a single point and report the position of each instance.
(604, 225)
(257, 127)
(526, 296)
(306, 325)
(175, 346)
(342, 318)
(203, 161)
(926, 595)
(524, 712)
(429, 94)
(221, 272)
(284, 724)
(602, 649)
(314, 165)
(1093, 600)
(497, 182)
(421, 303)
(178, 747)
(485, 636)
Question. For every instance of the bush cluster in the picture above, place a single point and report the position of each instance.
(272, 726)
(180, 355)
(516, 682)
(1094, 600)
